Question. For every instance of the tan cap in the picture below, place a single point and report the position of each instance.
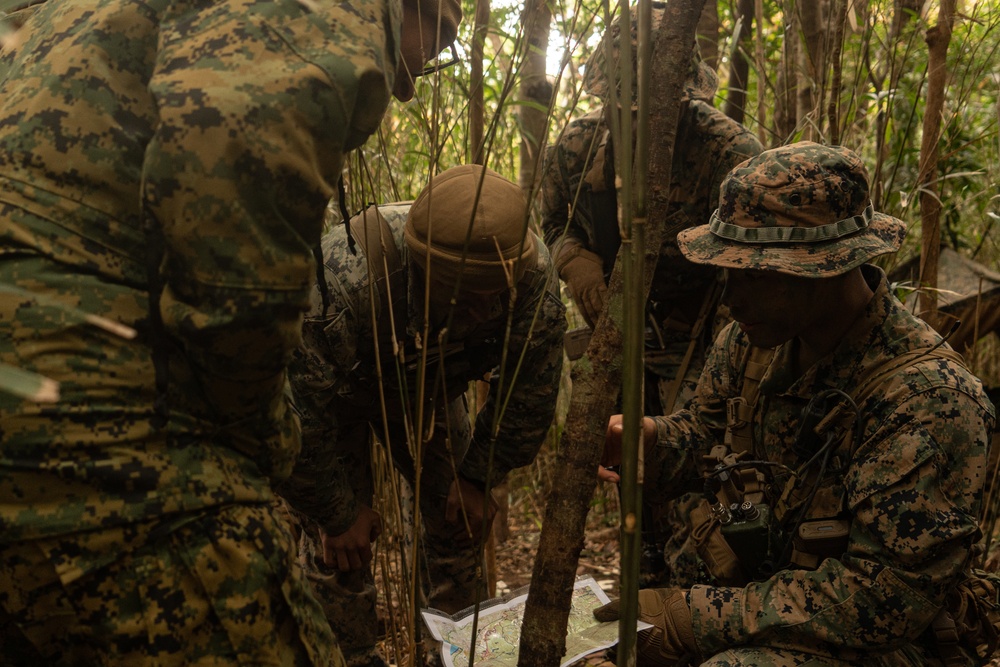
(440, 219)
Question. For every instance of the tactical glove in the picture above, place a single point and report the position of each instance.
(671, 639)
(584, 276)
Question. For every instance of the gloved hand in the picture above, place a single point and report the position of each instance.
(671, 638)
(584, 276)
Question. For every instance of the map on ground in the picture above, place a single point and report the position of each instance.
(499, 631)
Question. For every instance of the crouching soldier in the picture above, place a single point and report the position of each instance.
(840, 443)
(456, 285)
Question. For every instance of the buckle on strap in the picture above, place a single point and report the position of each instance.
(738, 412)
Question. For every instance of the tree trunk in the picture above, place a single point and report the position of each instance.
(903, 11)
(833, 110)
(708, 34)
(786, 85)
(597, 377)
(739, 66)
(477, 104)
(535, 91)
(812, 67)
(938, 37)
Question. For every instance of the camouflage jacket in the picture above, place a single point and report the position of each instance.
(709, 144)
(911, 487)
(206, 135)
(335, 376)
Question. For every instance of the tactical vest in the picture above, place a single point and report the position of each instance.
(748, 530)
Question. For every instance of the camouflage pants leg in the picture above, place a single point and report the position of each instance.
(214, 589)
(455, 576)
(348, 599)
(770, 656)
(750, 656)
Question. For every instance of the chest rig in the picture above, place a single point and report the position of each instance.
(761, 516)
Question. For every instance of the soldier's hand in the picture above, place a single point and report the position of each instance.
(672, 636)
(469, 506)
(584, 276)
(612, 455)
(352, 549)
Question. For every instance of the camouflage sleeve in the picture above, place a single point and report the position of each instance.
(568, 157)
(257, 103)
(319, 486)
(523, 395)
(913, 504)
(682, 437)
(737, 147)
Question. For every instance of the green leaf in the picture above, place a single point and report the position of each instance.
(28, 385)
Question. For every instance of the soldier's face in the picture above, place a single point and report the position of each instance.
(772, 308)
(471, 308)
(418, 46)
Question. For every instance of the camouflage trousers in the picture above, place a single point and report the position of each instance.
(213, 589)
(452, 574)
(752, 656)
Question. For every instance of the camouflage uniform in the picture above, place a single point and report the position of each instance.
(913, 489)
(338, 391)
(150, 173)
(579, 209)
(903, 473)
(708, 145)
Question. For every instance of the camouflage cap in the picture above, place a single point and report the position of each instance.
(801, 209)
(701, 81)
(449, 11)
(485, 256)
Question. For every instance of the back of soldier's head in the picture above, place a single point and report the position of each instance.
(468, 227)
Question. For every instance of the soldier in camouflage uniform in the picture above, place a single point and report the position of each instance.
(506, 318)
(852, 439)
(580, 223)
(580, 217)
(166, 165)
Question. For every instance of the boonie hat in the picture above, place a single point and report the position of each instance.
(801, 209)
(439, 219)
(700, 84)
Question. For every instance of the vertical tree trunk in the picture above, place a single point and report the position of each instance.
(477, 104)
(535, 89)
(708, 33)
(761, 71)
(786, 84)
(938, 38)
(812, 67)
(903, 11)
(739, 66)
(833, 110)
(597, 377)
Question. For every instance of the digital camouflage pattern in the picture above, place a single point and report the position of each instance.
(216, 589)
(578, 198)
(137, 135)
(337, 388)
(801, 209)
(912, 490)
